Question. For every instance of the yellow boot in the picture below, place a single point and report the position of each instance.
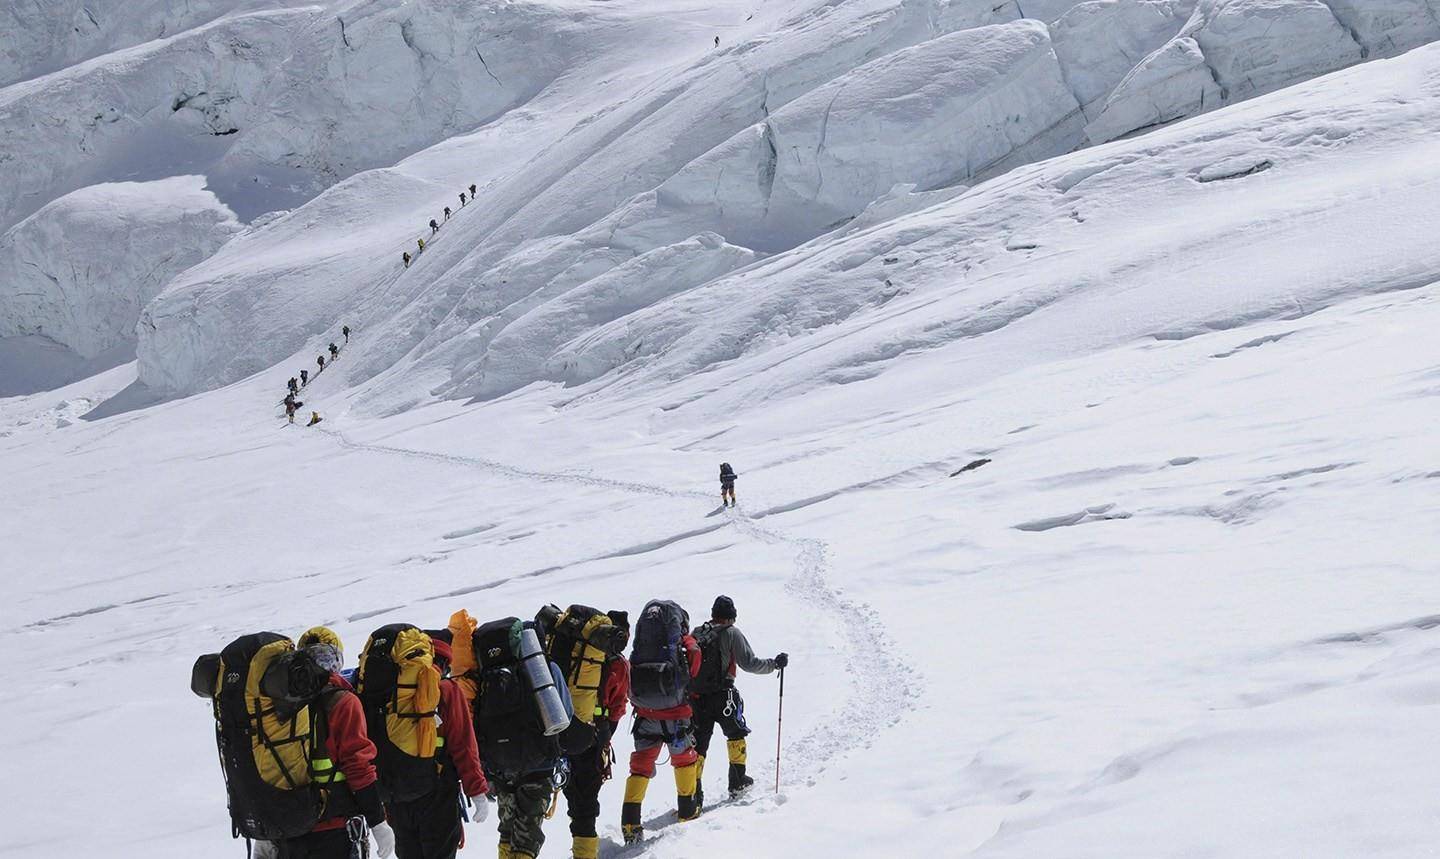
(585, 848)
(505, 850)
(739, 781)
(685, 781)
(630, 826)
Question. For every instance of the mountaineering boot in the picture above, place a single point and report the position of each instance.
(685, 781)
(699, 784)
(739, 781)
(585, 847)
(630, 827)
(505, 850)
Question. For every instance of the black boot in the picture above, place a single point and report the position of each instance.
(739, 781)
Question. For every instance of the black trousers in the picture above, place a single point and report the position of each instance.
(724, 708)
(582, 791)
(428, 827)
(330, 844)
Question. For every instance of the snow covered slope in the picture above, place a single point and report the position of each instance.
(1092, 492)
(770, 144)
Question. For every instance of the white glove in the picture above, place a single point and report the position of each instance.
(264, 850)
(384, 840)
(481, 810)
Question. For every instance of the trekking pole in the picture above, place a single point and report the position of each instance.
(779, 721)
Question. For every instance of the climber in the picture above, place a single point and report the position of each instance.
(421, 243)
(713, 695)
(434, 227)
(472, 191)
(659, 675)
(291, 406)
(314, 419)
(462, 199)
(304, 378)
(423, 762)
(406, 257)
(345, 329)
(334, 352)
(303, 682)
(727, 485)
(320, 360)
(447, 213)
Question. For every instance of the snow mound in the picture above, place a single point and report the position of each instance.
(81, 269)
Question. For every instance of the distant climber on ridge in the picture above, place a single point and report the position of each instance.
(462, 199)
(447, 213)
(421, 243)
(472, 191)
(345, 329)
(334, 353)
(727, 485)
(406, 257)
(434, 227)
(321, 361)
(304, 378)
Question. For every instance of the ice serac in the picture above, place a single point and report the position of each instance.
(1098, 41)
(50, 35)
(275, 105)
(272, 288)
(533, 346)
(1234, 49)
(963, 105)
(79, 270)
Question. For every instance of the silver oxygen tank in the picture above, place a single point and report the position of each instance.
(537, 671)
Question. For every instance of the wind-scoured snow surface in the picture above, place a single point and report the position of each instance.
(1078, 362)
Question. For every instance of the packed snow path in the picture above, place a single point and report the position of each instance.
(881, 684)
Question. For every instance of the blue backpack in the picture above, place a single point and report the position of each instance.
(659, 665)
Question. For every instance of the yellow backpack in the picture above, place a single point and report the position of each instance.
(582, 639)
(270, 731)
(399, 687)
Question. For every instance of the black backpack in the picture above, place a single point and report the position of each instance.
(507, 720)
(659, 666)
(280, 734)
(712, 676)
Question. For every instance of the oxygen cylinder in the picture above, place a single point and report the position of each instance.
(537, 671)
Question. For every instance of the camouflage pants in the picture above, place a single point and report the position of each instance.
(523, 804)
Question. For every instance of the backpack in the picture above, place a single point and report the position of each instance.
(507, 720)
(712, 676)
(582, 639)
(270, 734)
(400, 690)
(659, 666)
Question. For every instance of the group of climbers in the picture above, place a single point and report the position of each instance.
(434, 724)
(292, 402)
(406, 257)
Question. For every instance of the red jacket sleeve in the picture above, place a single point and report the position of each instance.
(348, 743)
(694, 650)
(459, 733)
(617, 687)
